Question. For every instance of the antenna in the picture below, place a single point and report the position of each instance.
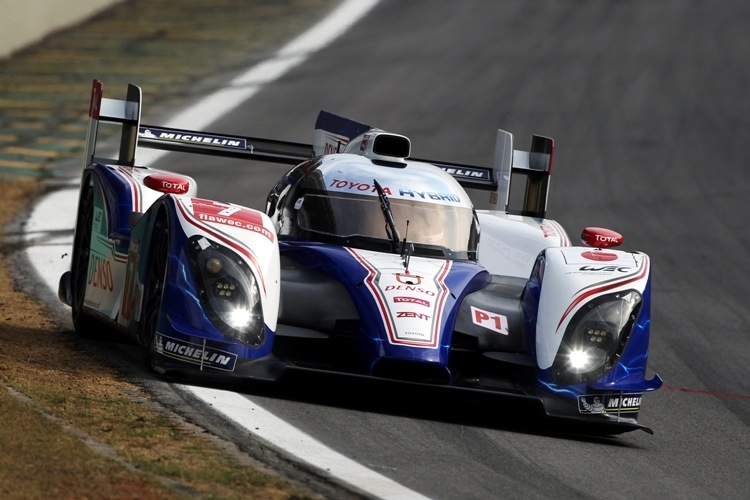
(406, 248)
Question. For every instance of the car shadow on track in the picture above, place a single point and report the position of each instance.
(416, 401)
(425, 402)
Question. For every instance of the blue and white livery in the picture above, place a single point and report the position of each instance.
(366, 262)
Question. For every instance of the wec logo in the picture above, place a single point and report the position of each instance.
(605, 269)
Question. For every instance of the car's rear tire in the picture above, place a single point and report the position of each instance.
(84, 325)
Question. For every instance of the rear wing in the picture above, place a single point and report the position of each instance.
(127, 113)
(517, 182)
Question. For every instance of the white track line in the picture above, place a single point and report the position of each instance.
(246, 85)
(53, 218)
(269, 427)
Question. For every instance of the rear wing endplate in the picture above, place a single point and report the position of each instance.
(124, 112)
(518, 179)
(523, 176)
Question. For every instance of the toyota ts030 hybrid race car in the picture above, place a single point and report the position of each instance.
(366, 262)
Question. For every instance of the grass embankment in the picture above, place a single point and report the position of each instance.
(72, 428)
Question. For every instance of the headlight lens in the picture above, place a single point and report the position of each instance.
(596, 337)
(228, 291)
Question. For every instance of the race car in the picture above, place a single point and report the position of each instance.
(367, 263)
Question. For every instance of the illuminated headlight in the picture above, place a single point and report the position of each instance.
(228, 291)
(596, 337)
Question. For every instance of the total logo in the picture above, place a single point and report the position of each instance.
(167, 183)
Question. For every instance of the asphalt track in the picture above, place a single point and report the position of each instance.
(646, 101)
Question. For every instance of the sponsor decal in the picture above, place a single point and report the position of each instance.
(600, 237)
(196, 354)
(426, 195)
(548, 231)
(609, 403)
(411, 300)
(608, 240)
(468, 172)
(366, 187)
(412, 314)
(98, 219)
(492, 321)
(167, 183)
(493, 198)
(605, 269)
(334, 143)
(192, 138)
(100, 273)
(397, 293)
(363, 187)
(230, 215)
(599, 256)
(408, 279)
(409, 288)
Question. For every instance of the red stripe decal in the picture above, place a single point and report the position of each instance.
(584, 294)
(372, 275)
(135, 188)
(189, 218)
(95, 105)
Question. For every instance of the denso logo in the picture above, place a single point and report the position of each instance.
(409, 288)
(607, 269)
(100, 275)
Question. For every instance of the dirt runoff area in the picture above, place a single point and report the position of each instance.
(73, 428)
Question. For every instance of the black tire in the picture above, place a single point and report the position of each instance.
(84, 325)
(157, 270)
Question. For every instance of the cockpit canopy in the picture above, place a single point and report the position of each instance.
(334, 199)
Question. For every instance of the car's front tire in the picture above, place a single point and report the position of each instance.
(157, 270)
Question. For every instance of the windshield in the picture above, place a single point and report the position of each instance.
(351, 215)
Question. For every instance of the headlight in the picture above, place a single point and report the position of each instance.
(228, 291)
(596, 337)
